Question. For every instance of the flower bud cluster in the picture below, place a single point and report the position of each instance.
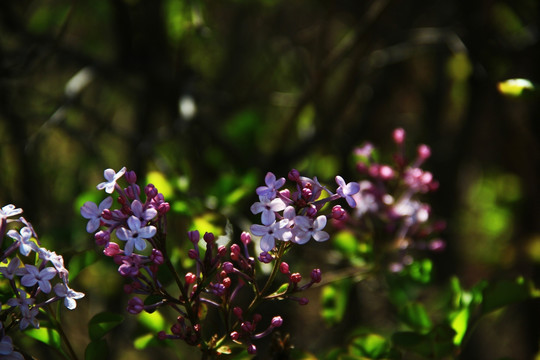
(30, 278)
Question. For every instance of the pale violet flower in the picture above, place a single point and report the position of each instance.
(55, 259)
(268, 208)
(269, 233)
(144, 215)
(92, 212)
(29, 318)
(35, 276)
(68, 294)
(272, 185)
(111, 176)
(12, 269)
(9, 210)
(24, 239)
(135, 235)
(347, 190)
(6, 350)
(308, 228)
(28, 311)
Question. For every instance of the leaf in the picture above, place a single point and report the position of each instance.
(436, 344)
(144, 341)
(97, 350)
(372, 346)
(334, 299)
(281, 290)
(459, 322)
(102, 323)
(161, 183)
(504, 293)
(154, 322)
(515, 87)
(48, 336)
(416, 316)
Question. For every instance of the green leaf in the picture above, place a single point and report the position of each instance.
(79, 261)
(459, 321)
(334, 299)
(154, 322)
(144, 341)
(504, 293)
(515, 87)
(372, 346)
(102, 323)
(48, 336)
(436, 344)
(416, 316)
(281, 290)
(161, 183)
(97, 350)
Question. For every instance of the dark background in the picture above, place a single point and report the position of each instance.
(279, 84)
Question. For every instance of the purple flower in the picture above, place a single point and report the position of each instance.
(35, 276)
(269, 233)
(68, 294)
(55, 259)
(12, 269)
(268, 208)
(28, 312)
(6, 350)
(136, 235)
(347, 190)
(92, 212)
(111, 176)
(135, 305)
(9, 210)
(144, 215)
(272, 185)
(310, 228)
(23, 238)
(130, 265)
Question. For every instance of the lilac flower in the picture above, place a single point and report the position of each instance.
(269, 233)
(130, 265)
(9, 210)
(144, 215)
(23, 238)
(136, 235)
(35, 276)
(310, 228)
(12, 269)
(29, 318)
(272, 185)
(6, 350)
(111, 176)
(68, 294)
(55, 259)
(347, 190)
(28, 312)
(92, 212)
(268, 208)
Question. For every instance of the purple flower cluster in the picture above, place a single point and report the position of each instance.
(294, 216)
(220, 271)
(30, 278)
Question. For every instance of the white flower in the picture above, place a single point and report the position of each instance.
(23, 238)
(268, 208)
(347, 190)
(35, 276)
(269, 233)
(111, 176)
(310, 228)
(68, 294)
(136, 235)
(9, 210)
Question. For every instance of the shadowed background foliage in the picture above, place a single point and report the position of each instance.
(211, 95)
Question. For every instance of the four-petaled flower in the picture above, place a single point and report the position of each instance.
(268, 208)
(136, 235)
(9, 210)
(347, 190)
(6, 350)
(272, 185)
(23, 238)
(138, 211)
(12, 269)
(92, 212)
(35, 276)
(269, 233)
(111, 176)
(310, 228)
(68, 294)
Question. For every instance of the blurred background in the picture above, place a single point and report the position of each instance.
(202, 98)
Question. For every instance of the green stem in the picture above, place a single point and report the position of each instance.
(61, 332)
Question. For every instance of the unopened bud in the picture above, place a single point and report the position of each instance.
(276, 321)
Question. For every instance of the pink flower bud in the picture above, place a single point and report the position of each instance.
(194, 236)
(192, 253)
(303, 301)
(295, 278)
(293, 175)
(190, 278)
(235, 335)
(245, 237)
(284, 268)
(209, 237)
(226, 282)
(277, 321)
(112, 249)
(237, 311)
(424, 152)
(386, 172)
(252, 349)
(399, 136)
(228, 267)
(135, 306)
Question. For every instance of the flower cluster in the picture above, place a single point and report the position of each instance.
(134, 236)
(294, 216)
(30, 278)
(389, 195)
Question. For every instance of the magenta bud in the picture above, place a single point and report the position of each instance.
(285, 193)
(316, 275)
(222, 251)
(112, 249)
(228, 267)
(252, 349)
(235, 249)
(130, 193)
(162, 335)
(163, 208)
(192, 253)
(386, 172)
(209, 237)
(135, 306)
(284, 268)
(303, 301)
(423, 152)
(399, 136)
(150, 191)
(176, 329)
(293, 175)
(245, 237)
(311, 211)
(235, 335)
(107, 214)
(295, 278)
(237, 311)
(102, 237)
(157, 257)
(194, 236)
(338, 213)
(306, 193)
(131, 177)
(277, 321)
